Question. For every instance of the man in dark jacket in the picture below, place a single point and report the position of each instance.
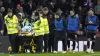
(50, 17)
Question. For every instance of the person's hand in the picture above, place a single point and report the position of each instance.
(90, 22)
(2, 32)
(80, 26)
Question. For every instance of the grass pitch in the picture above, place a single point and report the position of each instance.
(58, 54)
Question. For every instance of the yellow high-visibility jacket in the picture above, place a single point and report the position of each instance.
(38, 27)
(45, 25)
(11, 24)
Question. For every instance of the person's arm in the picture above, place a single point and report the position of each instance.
(64, 23)
(79, 24)
(95, 24)
(97, 21)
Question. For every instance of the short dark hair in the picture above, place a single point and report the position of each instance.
(91, 9)
(36, 13)
(9, 10)
(59, 14)
(45, 9)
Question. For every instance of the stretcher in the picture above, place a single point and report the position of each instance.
(26, 36)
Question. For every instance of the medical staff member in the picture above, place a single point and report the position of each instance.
(46, 32)
(22, 21)
(39, 32)
(91, 23)
(11, 22)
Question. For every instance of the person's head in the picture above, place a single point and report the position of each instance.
(80, 8)
(22, 1)
(21, 9)
(57, 15)
(1, 2)
(33, 14)
(10, 12)
(40, 8)
(98, 2)
(59, 11)
(2, 9)
(41, 14)
(9, 1)
(45, 10)
(72, 13)
(30, 2)
(90, 1)
(91, 12)
(36, 16)
(18, 6)
(19, 15)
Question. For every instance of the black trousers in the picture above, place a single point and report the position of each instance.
(45, 38)
(51, 42)
(60, 35)
(91, 34)
(71, 35)
(13, 41)
(39, 43)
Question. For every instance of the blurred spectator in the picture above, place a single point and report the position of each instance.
(50, 5)
(2, 9)
(30, 6)
(90, 4)
(80, 15)
(85, 3)
(42, 2)
(22, 3)
(19, 9)
(97, 8)
(97, 11)
(59, 11)
(65, 14)
(1, 3)
(9, 4)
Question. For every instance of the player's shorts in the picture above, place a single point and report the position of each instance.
(60, 34)
(71, 35)
(91, 34)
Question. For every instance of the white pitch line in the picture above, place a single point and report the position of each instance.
(92, 55)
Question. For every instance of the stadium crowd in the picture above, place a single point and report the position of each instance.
(53, 19)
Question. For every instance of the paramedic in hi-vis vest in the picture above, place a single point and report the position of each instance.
(39, 32)
(46, 31)
(11, 22)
